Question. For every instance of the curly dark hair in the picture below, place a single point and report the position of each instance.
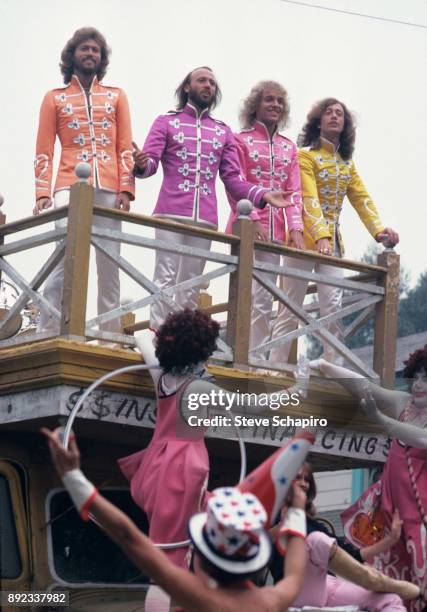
(416, 361)
(185, 339)
(67, 56)
(310, 134)
(182, 96)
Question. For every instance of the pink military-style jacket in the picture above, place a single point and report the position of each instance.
(192, 149)
(271, 163)
(97, 131)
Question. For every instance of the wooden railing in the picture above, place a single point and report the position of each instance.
(373, 289)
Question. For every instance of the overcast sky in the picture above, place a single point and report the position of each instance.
(376, 67)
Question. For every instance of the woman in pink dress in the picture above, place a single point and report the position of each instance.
(168, 479)
(403, 485)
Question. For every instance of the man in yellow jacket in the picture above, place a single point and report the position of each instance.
(328, 174)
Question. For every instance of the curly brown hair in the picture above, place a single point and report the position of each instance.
(185, 338)
(182, 96)
(248, 111)
(416, 361)
(310, 134)
(67, 56)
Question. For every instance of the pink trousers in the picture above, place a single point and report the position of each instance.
(321, 589)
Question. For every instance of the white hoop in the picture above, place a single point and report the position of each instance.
(134, 368)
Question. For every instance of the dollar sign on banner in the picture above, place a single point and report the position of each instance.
(73, 399)
(101, 410)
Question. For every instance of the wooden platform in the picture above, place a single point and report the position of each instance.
(40, 383)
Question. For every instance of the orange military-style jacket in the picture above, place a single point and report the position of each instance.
(95, 130)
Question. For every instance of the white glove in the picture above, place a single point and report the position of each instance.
(294, 524)
(81, 491)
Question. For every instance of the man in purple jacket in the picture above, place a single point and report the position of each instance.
(192, 147)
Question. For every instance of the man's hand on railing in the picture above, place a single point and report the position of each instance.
(279, 199)
(388, 237)
(139, 157)
(324, 246)
(260, 232)
(123, 201)
(41, 205)
(296, 240)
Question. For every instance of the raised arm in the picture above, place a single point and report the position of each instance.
(152, 151)
(392, 403)
(183, 586)
(367, 211)
(410, 434)
(230, 173)
(144, 342)
(291, 542)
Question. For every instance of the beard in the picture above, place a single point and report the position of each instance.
(88, 70)
(202, 103)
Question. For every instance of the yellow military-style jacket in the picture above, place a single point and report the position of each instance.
(326, 178)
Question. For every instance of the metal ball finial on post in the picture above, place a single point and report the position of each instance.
(244, 208)
(83, 171)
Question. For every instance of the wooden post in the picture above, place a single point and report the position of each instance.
(128, 319)
(239, 296)
(205, 300)
(386, 320)
(77, 253)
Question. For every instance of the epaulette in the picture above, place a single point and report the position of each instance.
(60, 88)
(102, 84)
(218, 121)
(174, 111)
(285, 138)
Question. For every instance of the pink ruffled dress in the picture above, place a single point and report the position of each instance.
(168, 479)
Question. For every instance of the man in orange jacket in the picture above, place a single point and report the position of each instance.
(92, 122)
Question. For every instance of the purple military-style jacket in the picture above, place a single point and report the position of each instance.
(270, 162)
(192, 148)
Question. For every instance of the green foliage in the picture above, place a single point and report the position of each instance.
(413, 309)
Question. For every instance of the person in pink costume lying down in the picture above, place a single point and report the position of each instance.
(354, 582)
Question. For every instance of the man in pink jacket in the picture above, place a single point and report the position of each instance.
(269, 159)
(192, 147)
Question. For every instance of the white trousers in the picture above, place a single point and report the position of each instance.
(262, 304)
(330, 300)
(171, 269)
(108, 272)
